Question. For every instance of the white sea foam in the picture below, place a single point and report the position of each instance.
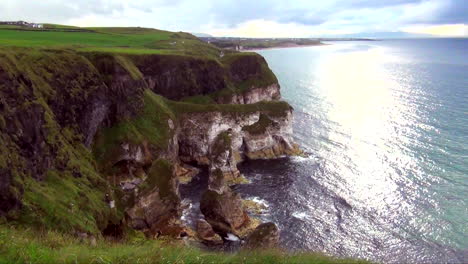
(259, 200)
(187, 204)
(300, 158)
(231, 237)
(301, 215)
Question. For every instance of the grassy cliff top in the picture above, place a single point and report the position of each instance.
(129, 40)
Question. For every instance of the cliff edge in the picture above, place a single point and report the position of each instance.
(96, 143)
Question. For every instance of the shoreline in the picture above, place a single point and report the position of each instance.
(284, 47)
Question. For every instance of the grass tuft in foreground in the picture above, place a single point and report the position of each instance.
(32, 246)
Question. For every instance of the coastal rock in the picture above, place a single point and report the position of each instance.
(251, 136)
(254, 207)
(224, 212)
(185, 173)
(206, 233)
(270, 137)
(176, 77)
(264, 236)
(252, 95)
(158, 206)
(246, 66)
(200, 130)
(153, 213)
(217, 181)
(222, 159)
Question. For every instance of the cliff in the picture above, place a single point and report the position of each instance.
(96, 143)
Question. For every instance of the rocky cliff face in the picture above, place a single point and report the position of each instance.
(255, 135)
(91, 142)
(253, 95)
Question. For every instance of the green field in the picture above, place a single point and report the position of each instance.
(115, 40)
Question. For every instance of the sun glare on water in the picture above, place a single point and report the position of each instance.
(362, 101)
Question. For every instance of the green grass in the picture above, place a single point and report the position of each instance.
(272, 108)
(63, 202)
(9, 27)
(57, 26)
(111, 40)
(97, 38)
(71, 195)
(46, 247)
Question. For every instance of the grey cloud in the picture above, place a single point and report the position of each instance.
(190, 14)
(378, 4)
(60, 11)
(302, 12)
(455, 12)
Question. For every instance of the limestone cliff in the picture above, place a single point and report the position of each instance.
(254, 135)
(96, 142)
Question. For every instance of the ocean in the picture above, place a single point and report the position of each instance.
(385, 128)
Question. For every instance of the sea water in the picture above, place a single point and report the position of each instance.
(385, 124)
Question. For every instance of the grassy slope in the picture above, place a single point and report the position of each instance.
(58, 201)
(31, 246)
(115, 40)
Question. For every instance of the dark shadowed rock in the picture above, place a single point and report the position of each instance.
(264, 236)
(224, 211)
(175, 77)
(8, 200)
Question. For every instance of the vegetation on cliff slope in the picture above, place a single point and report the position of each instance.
(47, 98)
(46, 247)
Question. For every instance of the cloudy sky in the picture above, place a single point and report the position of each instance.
(252, 18)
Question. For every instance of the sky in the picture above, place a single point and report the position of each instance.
(253, 18)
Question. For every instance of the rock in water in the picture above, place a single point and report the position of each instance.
(222, 158)
(206, 233)
(224, 211)
(264, 236)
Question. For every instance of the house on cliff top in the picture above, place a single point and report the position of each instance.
(22, 24)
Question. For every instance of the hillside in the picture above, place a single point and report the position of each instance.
(99, 126)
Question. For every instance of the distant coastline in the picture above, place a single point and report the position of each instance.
(252, 44)
(284, 46)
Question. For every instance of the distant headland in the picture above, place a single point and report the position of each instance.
(247, 44)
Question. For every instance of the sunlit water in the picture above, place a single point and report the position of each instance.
(386, 127)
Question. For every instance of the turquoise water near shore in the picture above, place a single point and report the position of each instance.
(385, 124)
